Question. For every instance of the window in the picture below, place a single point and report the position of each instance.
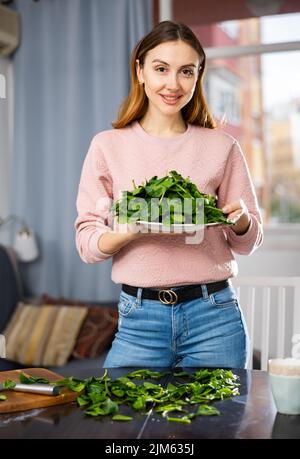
(231, 28)
(258, 95)
(222, 94)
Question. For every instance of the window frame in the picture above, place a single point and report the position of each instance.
(280, 236)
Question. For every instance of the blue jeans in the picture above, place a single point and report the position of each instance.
(203, 332)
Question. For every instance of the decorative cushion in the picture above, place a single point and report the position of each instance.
(11, 287)
(43, 334)
(97, 331)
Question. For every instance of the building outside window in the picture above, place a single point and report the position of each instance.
(258, 98)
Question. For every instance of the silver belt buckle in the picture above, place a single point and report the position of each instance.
(168, 296)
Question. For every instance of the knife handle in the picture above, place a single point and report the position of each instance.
(44, 389)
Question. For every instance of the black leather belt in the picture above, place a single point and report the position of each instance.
(171, 296)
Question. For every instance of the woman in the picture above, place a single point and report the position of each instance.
(177, 306)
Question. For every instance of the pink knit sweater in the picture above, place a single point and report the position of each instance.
(214, 162)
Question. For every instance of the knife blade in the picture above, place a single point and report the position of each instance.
(43, 389)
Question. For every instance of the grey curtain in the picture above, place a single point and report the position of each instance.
(71, 73)
(5, 134)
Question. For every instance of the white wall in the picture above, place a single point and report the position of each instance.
(279, 254)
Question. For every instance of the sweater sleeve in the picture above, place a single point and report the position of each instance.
(93, 204)
(237, 184)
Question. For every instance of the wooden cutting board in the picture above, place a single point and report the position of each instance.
(20, 401)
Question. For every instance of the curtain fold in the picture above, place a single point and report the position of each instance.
(5, 137)
(71, 72)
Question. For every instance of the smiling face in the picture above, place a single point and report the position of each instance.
(170, 69)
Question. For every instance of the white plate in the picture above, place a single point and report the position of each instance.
(187, 227)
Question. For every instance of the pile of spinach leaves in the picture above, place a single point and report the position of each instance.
(102, 396)
(136, 204)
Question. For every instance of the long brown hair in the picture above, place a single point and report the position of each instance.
(135, 104)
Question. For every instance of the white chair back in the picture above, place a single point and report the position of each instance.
(271, 306)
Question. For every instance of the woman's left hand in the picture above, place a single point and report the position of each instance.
(237, 211)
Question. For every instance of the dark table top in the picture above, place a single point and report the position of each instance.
(252, 414)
